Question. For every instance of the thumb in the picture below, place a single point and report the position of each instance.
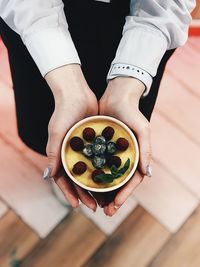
(57, 129)
(53, 151)
(141, 127)
(142, 130)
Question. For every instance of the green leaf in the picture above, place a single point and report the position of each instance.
(115, 173)
(104, 178)
(125, 167)
(113, 169)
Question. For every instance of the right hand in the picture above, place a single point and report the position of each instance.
(74, 101)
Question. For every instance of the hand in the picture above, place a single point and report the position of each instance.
(121, 100)
(73, 101)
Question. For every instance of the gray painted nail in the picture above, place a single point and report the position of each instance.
(148, 171)
(47, 173)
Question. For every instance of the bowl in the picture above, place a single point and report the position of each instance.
(69, 157)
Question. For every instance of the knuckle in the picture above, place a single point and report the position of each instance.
(51, 155)
(53, 132)
(148, 154)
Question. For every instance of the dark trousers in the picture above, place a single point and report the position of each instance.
(96, 29)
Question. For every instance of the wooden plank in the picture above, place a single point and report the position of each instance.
(8, 123)
(24, 190)
(134, 243)
(183, 248)
(14, 234)
(181, 107)
(185, 65)
(71, 244)
(8, 128)
(159, 194)
(106, 223)
(176, 152)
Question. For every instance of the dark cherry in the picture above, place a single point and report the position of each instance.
(113, 160)
(95, 173)
(108, 132)
(76, 143)
(89, 134)
(122, 143)
(79, 167)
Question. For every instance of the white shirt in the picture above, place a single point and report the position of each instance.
(151, 28)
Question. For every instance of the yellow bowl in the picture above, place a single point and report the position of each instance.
(69, 157)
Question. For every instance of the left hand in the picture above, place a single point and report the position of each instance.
(121, 100)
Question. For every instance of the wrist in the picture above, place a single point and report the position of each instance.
(129, 84)
(65, 78)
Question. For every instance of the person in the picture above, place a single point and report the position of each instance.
(76, 58)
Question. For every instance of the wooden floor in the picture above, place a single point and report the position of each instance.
(148, 237)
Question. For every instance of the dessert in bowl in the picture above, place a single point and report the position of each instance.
(100, 153)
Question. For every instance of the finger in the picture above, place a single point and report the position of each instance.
(68, 190)
(127, 189)
(86, 198)
(110, 196)
(111, 209)
(57, 129)
(123, 195)
(141, 127)
(142, 130)
(53, 152)
(100, 198)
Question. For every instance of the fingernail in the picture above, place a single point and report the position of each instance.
(116, 206)
(148, 171)
(47, 173)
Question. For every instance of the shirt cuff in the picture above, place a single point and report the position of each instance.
(52, 48)
(141, 47)
(121, 69)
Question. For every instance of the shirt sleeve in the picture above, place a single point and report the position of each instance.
(43, 28)
(151, 28)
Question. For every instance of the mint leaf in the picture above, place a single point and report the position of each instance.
(104, 178)
(125, 167)
(115, 173)
(113, 169)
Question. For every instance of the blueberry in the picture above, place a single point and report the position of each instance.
(98, 149)
(100, 140)
(87, 150)
(98, 162)
(111, 148)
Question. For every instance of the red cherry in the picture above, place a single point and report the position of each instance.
(89, 134)
(122, 143)
(108, 132)
(79, 167)
(76, 143)
(113, 160)
(95, 173)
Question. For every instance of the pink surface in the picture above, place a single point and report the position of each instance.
(175, 138)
